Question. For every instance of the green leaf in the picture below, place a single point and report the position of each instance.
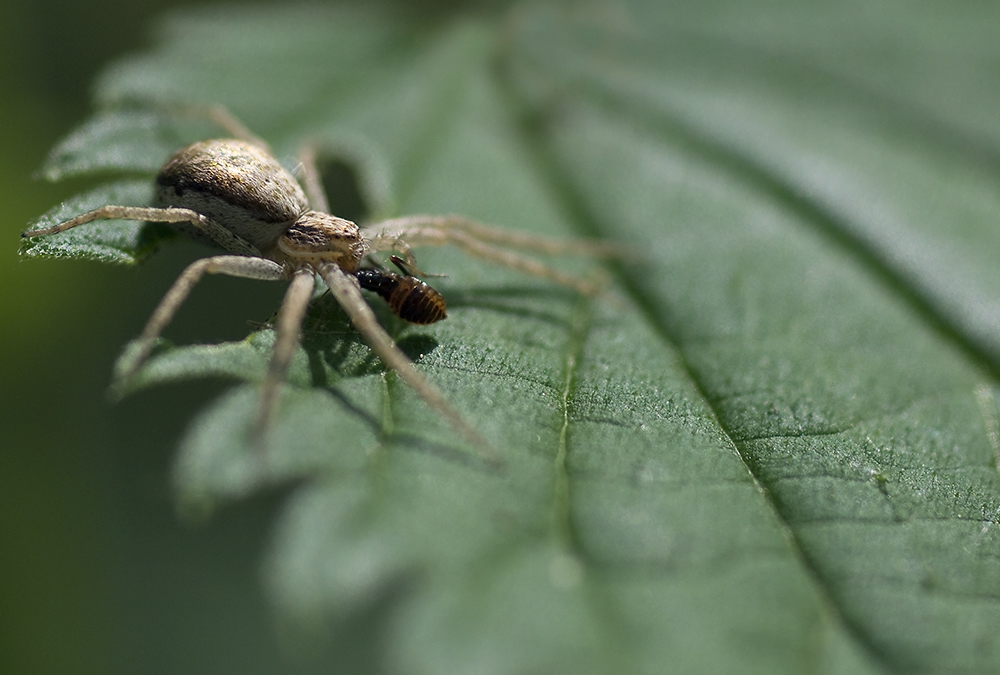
(772, 446)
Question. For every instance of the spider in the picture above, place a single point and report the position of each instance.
(233, 194)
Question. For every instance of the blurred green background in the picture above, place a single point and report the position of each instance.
(98, 572)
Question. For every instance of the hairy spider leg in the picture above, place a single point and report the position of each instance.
(222, 118)
(288, 327)
(346, 290)
(403, 234)
(310, 178)
(244, 267)
(219, 234)
(505, 238)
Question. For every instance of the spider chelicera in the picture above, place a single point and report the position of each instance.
(233, 194)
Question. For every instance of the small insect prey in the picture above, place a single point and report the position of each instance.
(233, 194)
(409, 298)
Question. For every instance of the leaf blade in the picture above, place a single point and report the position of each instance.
(770, 453)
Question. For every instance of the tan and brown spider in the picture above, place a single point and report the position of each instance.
(233, 194)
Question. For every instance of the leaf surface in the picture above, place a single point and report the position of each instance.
(772, 446)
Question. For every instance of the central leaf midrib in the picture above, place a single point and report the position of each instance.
(574, 203)
(561, 517)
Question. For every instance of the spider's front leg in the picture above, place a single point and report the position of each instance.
(436, 226)
(288, 327)
(347, 292)
(230, 265)
(486, 243)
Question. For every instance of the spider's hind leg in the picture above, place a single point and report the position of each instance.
(220, 116)
(311, 178)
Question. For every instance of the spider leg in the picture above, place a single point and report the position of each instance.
(403, 226)
(288, 327)
(221, 117)
(346, 290)
(231, 265)
(311, 180)
(218, 234)
(430, 231)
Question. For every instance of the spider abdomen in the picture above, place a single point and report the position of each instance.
(236, 184)
(409, 298)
